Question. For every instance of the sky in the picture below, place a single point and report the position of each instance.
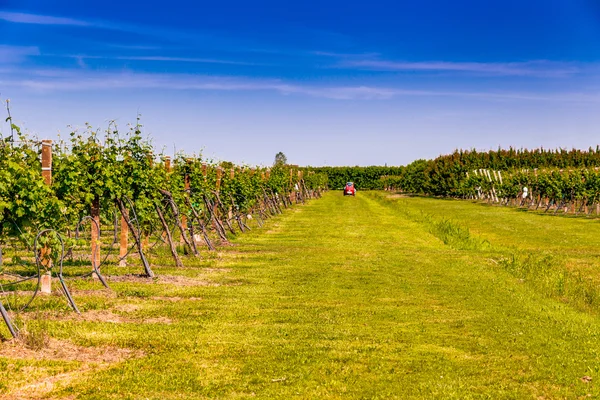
(325, 82)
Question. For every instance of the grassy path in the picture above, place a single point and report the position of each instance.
(344, 298)
(573, 237)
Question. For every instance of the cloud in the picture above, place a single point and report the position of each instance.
(131, 46)
(24, 18)
(56, 80)
(539, 68)
(164, 35)
(15, 54)
(345, 55)
(81, 62)
(153, 32)
(78, 80)
(158, 58)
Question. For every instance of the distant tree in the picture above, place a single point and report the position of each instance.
(280, 159)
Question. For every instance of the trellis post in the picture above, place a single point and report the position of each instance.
(95, 234)
(47, 176)
(186, 189)
(231, 176)
(123, 239)
(219, 174)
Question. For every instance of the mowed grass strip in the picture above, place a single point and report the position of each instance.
(343, 298)
(513, 227)
(557, 254)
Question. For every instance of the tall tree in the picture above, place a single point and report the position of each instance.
(280, 159)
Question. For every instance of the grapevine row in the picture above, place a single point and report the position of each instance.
(95, 174)
(114, 181)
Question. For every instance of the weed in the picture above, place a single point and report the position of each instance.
(34, 335)
(455, 235)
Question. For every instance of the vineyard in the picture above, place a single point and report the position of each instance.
(129, 273)
(69, 209)
(567, 191)
(552, 181)
(109, 198)
(393, 200)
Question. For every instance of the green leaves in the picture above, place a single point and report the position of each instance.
(112, 165)
(24, 198)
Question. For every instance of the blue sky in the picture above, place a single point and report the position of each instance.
(327, 82)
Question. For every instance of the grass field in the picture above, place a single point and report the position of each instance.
(372, 297)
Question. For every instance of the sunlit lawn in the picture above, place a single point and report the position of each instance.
(340, 298)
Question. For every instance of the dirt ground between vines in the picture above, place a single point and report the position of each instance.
(89, 359)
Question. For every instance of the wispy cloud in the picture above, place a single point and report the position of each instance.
(157, 58)
(81, 62)
(38, 19)
(53, 80)
(156, 35)
(538, 68)
(14, 54)
(131, 46)
(334, 54)
(79, 80)
(24, 18)
(184, 59)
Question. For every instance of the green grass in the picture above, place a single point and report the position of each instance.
(343, 298)
(556, 254)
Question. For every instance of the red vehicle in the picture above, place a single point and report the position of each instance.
(349, 189)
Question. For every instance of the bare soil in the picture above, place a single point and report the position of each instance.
(92, 359)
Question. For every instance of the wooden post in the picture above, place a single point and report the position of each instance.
(146, 239)
(186, 179)
(124, 235)
(219, 173)
(47, 161)
(186, 188)
(168, 169)
(292, 191)
(95, 233)
(45, 251)
(230, 208)
(205, 171)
